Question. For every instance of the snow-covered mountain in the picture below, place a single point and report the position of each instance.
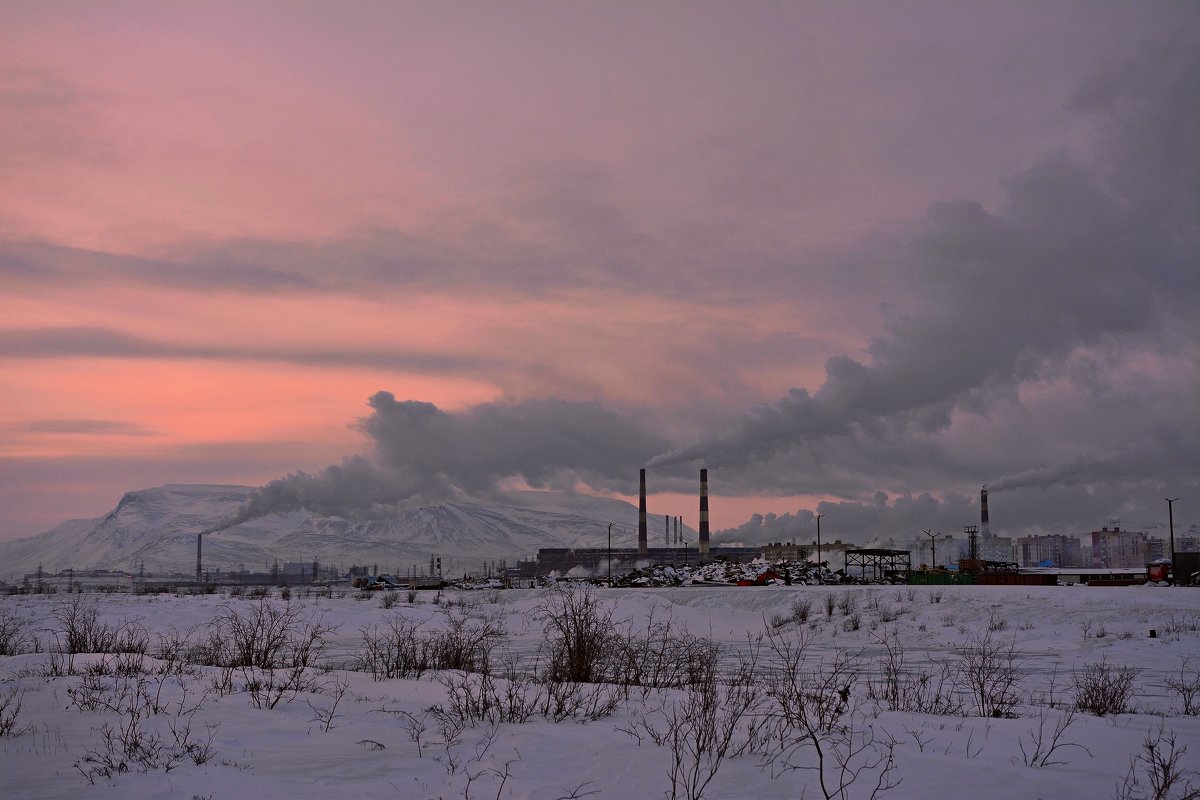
(157, 527)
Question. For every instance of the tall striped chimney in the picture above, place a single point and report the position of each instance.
(983, 514)
(703, 512)
(667, 530)
(642, 513)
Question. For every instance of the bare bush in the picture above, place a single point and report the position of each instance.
(1103, 688)
(11, 701)
(132, 743)
(711, 722)
(388, 599)
(1042, 747)
(1186, 683)
(325, 715)
(273, 647)
(173, 649)
(267, 687)
(16, 635)
(830, 604)
(266, 635)
(703, 730)
(1179, 624)
(393, 650)
(901, 686)
(80, 630)
(848, 602)
(801, 610)
(403, 648)
(476, 698)
(816, 722)
(1161, 762)
(467, 642)
(988, 668)
(885, 614)
(579, 632)
(659, 656)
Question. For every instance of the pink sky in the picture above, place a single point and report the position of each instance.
(224, 226)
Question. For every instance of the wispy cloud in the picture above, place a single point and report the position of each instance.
(86, 427)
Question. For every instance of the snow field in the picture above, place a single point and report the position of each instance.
(380, 737)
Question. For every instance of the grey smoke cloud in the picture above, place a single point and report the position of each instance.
(880, 518)
(1149, 463)
(1079, 256)
(1085, 269)
(421, 454)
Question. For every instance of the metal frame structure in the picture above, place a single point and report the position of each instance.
(879, 560)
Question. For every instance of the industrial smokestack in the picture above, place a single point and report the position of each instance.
(983, 514)
(199, 539)
(667, 530)
(703, 512)
(642, 514)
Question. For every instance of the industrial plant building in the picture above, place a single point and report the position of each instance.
(1051, 550)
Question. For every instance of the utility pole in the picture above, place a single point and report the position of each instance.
(610, 553)
(819, 539)
(1171, 523)
(933, 545)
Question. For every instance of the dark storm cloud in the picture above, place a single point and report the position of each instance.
(421, 454)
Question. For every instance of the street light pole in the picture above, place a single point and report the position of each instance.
(933, 545)
(610, 553)
(819, 539)
(1171, 524)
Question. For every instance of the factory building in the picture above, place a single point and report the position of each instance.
(1052, 549)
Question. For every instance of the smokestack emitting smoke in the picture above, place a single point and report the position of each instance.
(642, 512)
(703, 512)
(983, 514)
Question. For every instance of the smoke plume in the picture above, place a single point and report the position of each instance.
(420, 455)
(1086, 255)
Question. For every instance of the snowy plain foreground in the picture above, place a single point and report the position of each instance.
(881, 680)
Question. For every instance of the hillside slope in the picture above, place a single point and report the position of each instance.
(157, 527)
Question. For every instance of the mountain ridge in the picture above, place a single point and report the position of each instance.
(157, 528)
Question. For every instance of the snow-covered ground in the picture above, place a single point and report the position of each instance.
(346, 734)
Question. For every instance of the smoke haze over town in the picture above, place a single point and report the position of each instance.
(855, 259)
